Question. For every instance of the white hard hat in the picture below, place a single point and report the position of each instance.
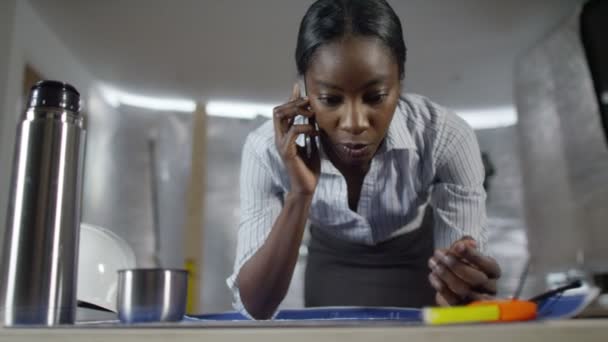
(101, 254)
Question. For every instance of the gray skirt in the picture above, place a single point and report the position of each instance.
(392, 273)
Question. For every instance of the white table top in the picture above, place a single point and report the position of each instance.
(554, 331)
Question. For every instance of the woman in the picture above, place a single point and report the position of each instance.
(392, 188)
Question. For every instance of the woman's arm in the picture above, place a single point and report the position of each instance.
(460, 272)
(264, 279)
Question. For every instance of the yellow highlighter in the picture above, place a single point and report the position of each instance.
(506, 310)
(482, 311)
(460, 314)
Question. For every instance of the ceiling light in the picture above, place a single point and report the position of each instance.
(116, 97)
(238, 110)
(477, 118)
(488, 118)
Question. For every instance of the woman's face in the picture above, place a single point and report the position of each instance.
(353, 86)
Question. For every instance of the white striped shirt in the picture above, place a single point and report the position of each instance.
(430, 156)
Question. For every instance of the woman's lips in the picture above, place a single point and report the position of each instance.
(354, 150)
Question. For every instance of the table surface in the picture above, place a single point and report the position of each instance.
(555, 331)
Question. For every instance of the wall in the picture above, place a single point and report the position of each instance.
(121, 182)
(221, 208)
(31, 42)
(7, 13)
(506, 219)
(116, 142)
(565, 151)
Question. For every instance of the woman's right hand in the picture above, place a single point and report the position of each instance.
(303, 171)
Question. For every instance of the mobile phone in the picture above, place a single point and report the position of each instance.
(308, 140)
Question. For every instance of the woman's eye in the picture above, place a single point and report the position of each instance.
(374, 98)
(330, 101)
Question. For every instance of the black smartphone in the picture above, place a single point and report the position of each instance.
(308, 140)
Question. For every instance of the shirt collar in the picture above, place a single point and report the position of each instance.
(326, 165)
(398, 136)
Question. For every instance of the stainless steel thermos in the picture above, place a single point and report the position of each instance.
(43, 218)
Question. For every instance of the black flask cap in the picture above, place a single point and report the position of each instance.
(54, 94)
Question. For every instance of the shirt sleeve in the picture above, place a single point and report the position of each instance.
(458, 197)
(260, 200)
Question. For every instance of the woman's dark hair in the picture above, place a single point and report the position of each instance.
(328, 20)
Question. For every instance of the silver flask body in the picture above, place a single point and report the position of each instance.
(43, 218)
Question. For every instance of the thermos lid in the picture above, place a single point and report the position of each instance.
(54, 94)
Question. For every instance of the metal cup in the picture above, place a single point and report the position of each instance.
(152, 295)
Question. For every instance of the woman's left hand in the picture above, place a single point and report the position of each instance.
(462, 274)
